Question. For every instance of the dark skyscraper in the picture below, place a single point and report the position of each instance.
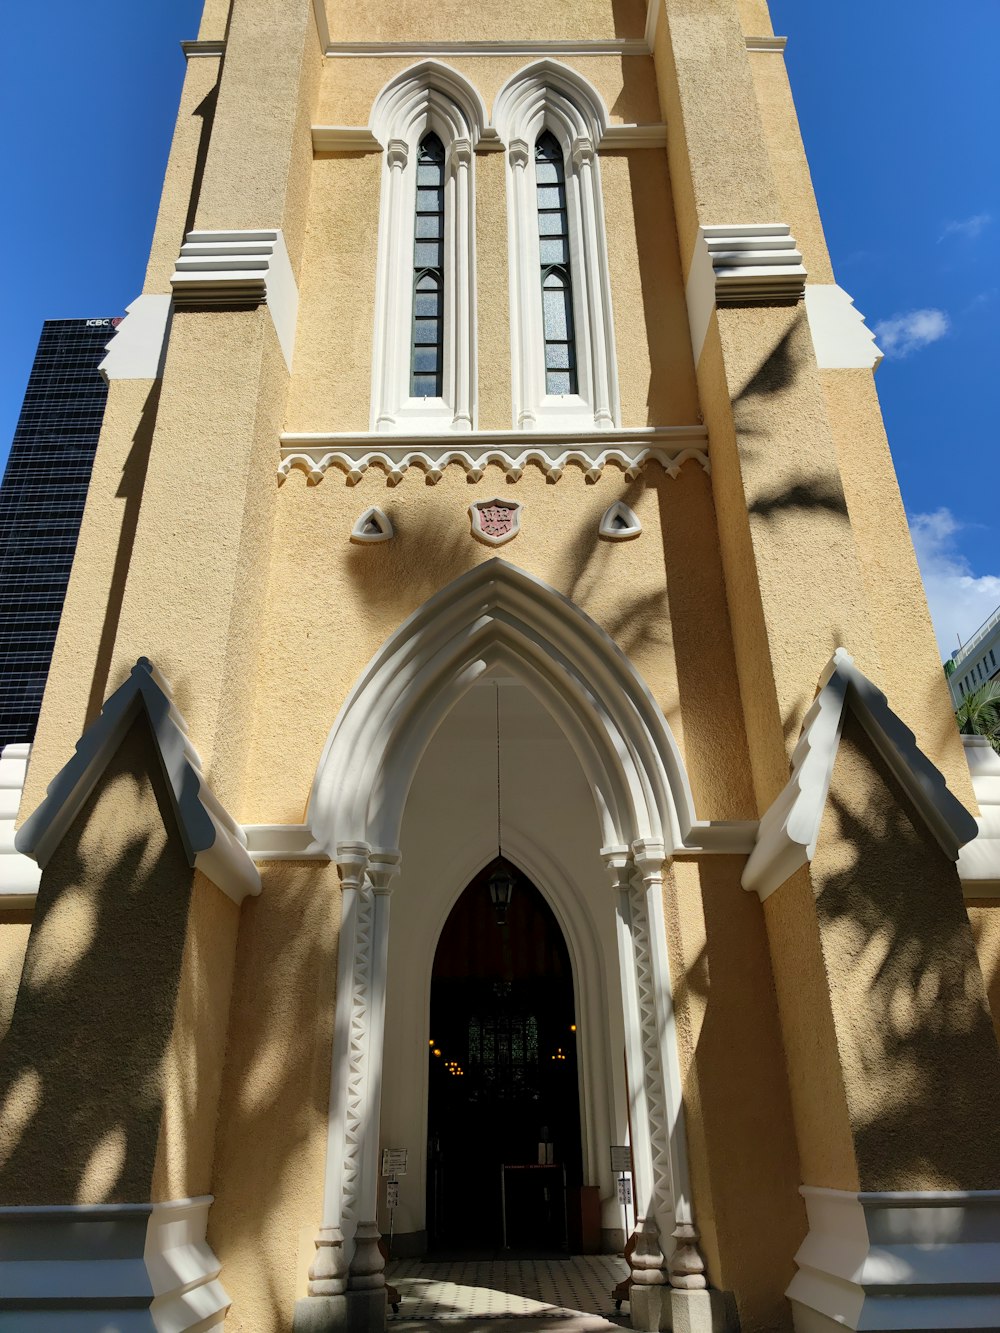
(41, 505)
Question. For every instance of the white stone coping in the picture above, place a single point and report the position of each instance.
(841, 338)
(979, 860)
(138, 346)
(240, 268)
(213, 841)
(789, 829)
(19, 875)
(74, 1267)
(315, 452)
(898, 1260)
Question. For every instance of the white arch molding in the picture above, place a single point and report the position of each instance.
(427, 96)
(499, 620)
(548, 95)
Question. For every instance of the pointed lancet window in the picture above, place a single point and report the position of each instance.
(427, 349)
(553, 248)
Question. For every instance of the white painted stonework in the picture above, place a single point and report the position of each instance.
(139, 345)
(979, 860)
(915, 1260)
(787, 835)
(213, 841)
(372, 526)
(19, 874)
(738, 263)
(315, 453)
(87, 1268)
(619, 523)
(240, 268)
(841, 338)
(495, 521)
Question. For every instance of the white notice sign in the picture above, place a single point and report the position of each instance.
(394, 1161)
(621, 1158)
(392, 1194)
(624, 1190)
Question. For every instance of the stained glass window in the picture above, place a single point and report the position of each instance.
(553, 248)
(428, 272)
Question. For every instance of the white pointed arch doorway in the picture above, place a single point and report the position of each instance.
(498, 622)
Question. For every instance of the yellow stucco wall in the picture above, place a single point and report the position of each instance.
(349, 598)
(271, 1143)
(14, 928)
(984, 916)
(454, 21)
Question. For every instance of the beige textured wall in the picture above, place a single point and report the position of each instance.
(755, 18)
(82, 1071)
(214, 20)
(348, 598)
(739, 1117)
(493, 294)
(788, 162)
(271, 1143)
(912, 680)
(14, 929)
(453, 21)
(984, 917)
(918, 1052)
(79, 679)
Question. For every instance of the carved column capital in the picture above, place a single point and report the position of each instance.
(583, 153)
(352, 862)
(618, 864)
(518, 153)
(397, 153)
(649, 855)
(461, 152)
(383, 867)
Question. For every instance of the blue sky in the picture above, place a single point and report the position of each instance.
(900, 118)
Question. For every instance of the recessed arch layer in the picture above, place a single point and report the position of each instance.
(499, 618)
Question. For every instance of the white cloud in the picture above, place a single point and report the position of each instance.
(959, 600)
(969, 229)
(907, 333)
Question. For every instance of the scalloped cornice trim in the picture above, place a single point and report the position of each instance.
(671, 447)
(213, 842)
(786, 838)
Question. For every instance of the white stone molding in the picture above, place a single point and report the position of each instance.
(619, 523)
(625, 46)
(122, 1266)
(768, 43)
(979, 860)
(283, 842)
(920, 1260)
(653, 8)
(372, 526)
(213, 842)
(239, 268)
(634, 136)
(787, 835)
(196, 48)
(351, 1193)
(670, 446)
(739, 263)
(841, 338)
(322, 24)
(429, 96)
(495, 521)
(138, 346)
(344, 139)
(493, 617)
(549, 95)
(19, 874)
(659, 1145)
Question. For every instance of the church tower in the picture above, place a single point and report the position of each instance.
(495, 718)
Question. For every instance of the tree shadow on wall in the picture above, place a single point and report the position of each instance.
(80, 1067)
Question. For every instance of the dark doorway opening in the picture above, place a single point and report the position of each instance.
(504, 1153)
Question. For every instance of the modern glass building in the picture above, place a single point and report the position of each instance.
(41, 505)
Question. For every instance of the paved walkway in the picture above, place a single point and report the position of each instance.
(557, 1295)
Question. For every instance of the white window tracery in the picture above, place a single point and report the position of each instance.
(546, 102)
(427, 100)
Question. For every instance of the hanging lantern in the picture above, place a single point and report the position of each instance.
(501, 889)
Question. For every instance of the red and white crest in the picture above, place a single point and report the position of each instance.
(495, 521)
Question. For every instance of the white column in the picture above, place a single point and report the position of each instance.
(525, 276)
(463, 332)
(593, 276)
(396, 234)
(348, 1240)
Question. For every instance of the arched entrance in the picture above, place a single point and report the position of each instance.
(504, 1164)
